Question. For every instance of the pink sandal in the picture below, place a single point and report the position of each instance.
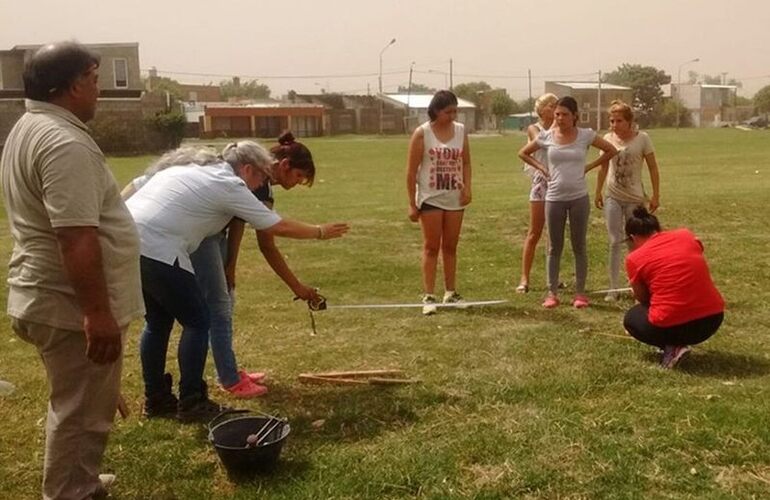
(580, 302)
(551, 301)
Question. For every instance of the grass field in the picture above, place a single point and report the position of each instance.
(515, 401)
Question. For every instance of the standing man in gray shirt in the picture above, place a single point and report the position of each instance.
(74, 272)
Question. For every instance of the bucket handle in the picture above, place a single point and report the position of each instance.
(219, 418)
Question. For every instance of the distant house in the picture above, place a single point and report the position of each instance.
(356, 114)
(709, 105)
(587, 95)
(343, 114)
(121, 118)
(261, 119)
(416, 108)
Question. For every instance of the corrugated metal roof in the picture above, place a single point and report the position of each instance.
(423, 100)
(94, 45)
(710, 86)
(592, 86)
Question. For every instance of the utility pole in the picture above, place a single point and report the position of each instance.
(382, 103)
(529, 81)
(679, 88)
(599, 103)
(408, 98)
(451, 84)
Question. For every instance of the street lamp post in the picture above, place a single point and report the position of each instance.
(408, 98)
(382, 104)
(679, 88)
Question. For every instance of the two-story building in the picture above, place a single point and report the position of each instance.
(709, 105)
(121, 119)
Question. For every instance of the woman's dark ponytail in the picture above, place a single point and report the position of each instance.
(642, 223)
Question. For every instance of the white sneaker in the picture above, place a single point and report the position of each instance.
(430, 304)
(454, 298)
(107, 480)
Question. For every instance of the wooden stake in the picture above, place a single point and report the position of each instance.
(358, 373)
(123, 407)
(312, 378)
(392, 381)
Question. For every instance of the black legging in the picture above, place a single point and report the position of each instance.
(690, 333)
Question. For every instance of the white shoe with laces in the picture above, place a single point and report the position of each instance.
(452, 297)
(429, 308)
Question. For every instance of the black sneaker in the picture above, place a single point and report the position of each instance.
(198, 409)
(162, 405)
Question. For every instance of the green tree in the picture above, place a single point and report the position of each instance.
(695, 77)
(644, 80)
(527, 104)
(743, 101)
(762, 99)
(171, 125)
(665, 115)
(502, 106)
(417, 88)
(471, 91)
(164, 84)
(249, 89)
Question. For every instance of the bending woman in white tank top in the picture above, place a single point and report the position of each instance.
(438, 184)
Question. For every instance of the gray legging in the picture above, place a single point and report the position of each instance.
(556, 214)
(616, 213)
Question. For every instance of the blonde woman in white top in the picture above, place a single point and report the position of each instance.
(625, 190)
(544, 106)
(438, 184)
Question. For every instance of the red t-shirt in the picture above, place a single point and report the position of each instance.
(672, 267)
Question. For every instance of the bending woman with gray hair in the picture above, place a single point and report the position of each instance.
(174, 211)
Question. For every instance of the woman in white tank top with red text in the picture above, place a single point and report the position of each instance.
(438, 183)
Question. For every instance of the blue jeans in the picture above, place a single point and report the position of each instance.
(171, 293)
(209, 264)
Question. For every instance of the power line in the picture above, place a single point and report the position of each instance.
(744, 78)
(367, 75)
(272, 77)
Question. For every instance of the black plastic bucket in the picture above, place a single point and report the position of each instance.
(229, 431)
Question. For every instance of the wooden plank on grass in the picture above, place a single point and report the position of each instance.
(312, 378)
(359, 373)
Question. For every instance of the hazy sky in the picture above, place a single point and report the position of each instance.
(336, 44)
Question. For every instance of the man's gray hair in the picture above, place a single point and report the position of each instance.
(186, 155)
(242, 153)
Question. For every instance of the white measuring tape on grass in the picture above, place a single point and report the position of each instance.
(420, 304)
(610, 290)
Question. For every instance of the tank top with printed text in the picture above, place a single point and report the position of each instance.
(440, 174)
